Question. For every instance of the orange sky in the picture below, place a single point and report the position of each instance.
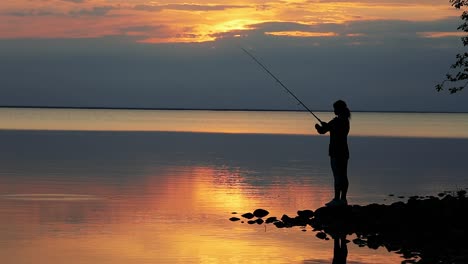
(185, 21)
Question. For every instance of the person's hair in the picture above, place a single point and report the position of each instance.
(342, 109)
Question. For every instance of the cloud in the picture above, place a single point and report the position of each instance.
(146, 31)
(366, 30)
(32, 12)
(301, 34)
(75, 1)
(95, 11)
(143, 29)
(187, 7)
(441, 34)
(380, 2)
(149, 8)
(391, 76)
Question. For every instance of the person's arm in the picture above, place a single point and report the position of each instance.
(323, 128)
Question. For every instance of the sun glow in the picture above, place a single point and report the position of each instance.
(183, 22)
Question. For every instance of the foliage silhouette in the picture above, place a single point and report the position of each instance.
(458, 75)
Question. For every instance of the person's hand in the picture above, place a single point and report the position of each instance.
(323, 123)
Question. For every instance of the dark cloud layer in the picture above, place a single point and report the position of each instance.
(95, 11)
(375, 71)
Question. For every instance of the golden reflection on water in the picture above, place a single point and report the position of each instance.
(173, 215)
(425, 125)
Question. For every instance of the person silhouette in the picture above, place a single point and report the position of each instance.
(338, 150)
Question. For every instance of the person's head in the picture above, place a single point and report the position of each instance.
(341, 109)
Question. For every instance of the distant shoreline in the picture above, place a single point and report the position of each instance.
(214, 109)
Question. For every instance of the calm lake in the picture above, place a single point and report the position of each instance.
(150, 186)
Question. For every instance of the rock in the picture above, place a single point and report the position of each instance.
(279, 224)
(260, 213)
(248, 215)
(359, 242)
(250, 222)
(234, 219)
(285, 218)
(321, 235)
(305, 213)
(300, 221)
(430, 228)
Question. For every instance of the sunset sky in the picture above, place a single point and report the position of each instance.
(377, 55)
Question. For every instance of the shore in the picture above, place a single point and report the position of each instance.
(422, 230)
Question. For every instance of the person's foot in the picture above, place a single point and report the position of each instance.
(344, 202)
(334, 202)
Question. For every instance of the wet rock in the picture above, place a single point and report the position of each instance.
(260, 213)
(250, 222)
(259, 221)
(398, 205)
(321, 235)
(279, 224)
(234, 219)
(305, 213)
(300, 221)
(461, 193)
(429, 228)
(288, 221)
(248, 215)
(374, 241)
(286, 218)
(359, 242)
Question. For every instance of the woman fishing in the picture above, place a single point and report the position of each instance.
(338, 150)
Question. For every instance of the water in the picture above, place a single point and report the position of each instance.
(121, 186)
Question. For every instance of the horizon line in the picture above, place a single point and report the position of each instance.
(215, 109)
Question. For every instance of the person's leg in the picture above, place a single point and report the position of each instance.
(336, 171)
(344, 183)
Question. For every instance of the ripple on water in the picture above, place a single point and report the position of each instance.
(49, 197)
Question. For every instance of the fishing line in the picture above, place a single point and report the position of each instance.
(278, 81)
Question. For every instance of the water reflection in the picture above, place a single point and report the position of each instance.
(340, 249)
(102, 197)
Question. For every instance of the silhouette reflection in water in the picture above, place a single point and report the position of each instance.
(340, 249)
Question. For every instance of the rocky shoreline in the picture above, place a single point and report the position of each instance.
(423, 229)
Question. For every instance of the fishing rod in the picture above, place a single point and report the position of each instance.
(277, 80)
